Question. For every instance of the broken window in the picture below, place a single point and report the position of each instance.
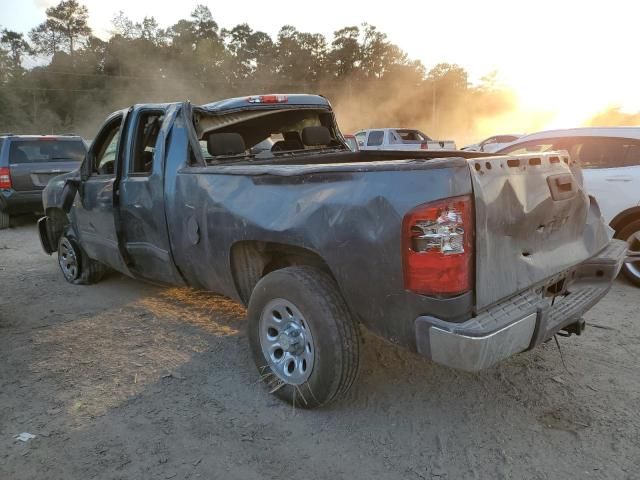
(147, 132)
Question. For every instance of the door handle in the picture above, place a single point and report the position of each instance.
(618, 179)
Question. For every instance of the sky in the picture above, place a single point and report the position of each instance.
(573, 58)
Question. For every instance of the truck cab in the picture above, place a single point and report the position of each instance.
(399, 139)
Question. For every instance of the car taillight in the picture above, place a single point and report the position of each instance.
(5, 178)
(437, 247)
(424, 146)
(268, 99)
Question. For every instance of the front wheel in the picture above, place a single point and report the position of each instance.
(75, 265)
(303, 338)
(631, 234)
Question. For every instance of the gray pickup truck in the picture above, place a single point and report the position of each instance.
(466, 259)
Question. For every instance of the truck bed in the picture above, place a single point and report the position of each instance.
(348, 207)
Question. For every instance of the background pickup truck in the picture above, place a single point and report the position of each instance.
(464, 260)
(399, 139)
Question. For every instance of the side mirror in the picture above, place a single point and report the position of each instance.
(360, 143)
(71, 186)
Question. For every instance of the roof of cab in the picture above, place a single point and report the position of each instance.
(296, 99)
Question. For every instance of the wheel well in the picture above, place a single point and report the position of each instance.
(624, 218)
(252, 260)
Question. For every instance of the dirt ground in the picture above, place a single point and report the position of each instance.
(124, 380)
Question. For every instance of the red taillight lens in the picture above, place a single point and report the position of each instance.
(424, 146)
(5, 178)
(437, 249)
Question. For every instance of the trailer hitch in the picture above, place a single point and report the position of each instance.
(574, 329)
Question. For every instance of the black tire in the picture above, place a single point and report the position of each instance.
(631, 272)
(5, 220)
(336, 336)
(76, 267)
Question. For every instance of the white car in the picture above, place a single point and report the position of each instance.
(610, 161)
(493, 144)
(399, 139)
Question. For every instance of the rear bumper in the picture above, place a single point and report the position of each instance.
(16, 202)
(523, 321)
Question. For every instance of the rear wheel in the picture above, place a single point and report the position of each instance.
(631, 234)
(75, 265)
(5, 220)
(304, 340)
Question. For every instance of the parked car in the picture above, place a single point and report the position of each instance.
(27, 163)
(610, 162)
(351, 142)
(445, 253)
(396, 139)
(493, 144)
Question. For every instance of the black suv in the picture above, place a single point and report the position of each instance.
(27, 163)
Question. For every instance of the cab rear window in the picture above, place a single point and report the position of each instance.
(34, 151)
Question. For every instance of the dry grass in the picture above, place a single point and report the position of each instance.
(110, 357)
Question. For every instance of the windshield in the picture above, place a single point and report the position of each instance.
(46, 150)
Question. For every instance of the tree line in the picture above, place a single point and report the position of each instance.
(80, 78)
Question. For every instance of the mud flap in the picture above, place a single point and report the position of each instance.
(44, 237)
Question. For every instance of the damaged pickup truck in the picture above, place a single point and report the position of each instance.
(466, 259)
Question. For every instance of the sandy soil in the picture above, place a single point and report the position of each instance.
(124, 380)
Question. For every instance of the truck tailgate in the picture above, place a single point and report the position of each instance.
(533, 221)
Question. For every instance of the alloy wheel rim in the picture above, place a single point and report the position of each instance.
(68, 260)
(286, 341)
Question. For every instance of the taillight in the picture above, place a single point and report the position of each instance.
(268, 99)
(5, 178)
(424, 146)
(437, 247)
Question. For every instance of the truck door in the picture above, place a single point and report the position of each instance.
(94, 208)
(141, 196)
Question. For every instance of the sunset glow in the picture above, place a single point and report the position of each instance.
(564, 61)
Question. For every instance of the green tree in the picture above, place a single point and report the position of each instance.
(204, 26)
(16, 45)
(449, 78)
(64, 29)
(124, 26)
(345, 55)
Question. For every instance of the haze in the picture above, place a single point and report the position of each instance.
(565, 61)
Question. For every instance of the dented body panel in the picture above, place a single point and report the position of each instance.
(527, 229)
(216, 226)
(350, 217)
